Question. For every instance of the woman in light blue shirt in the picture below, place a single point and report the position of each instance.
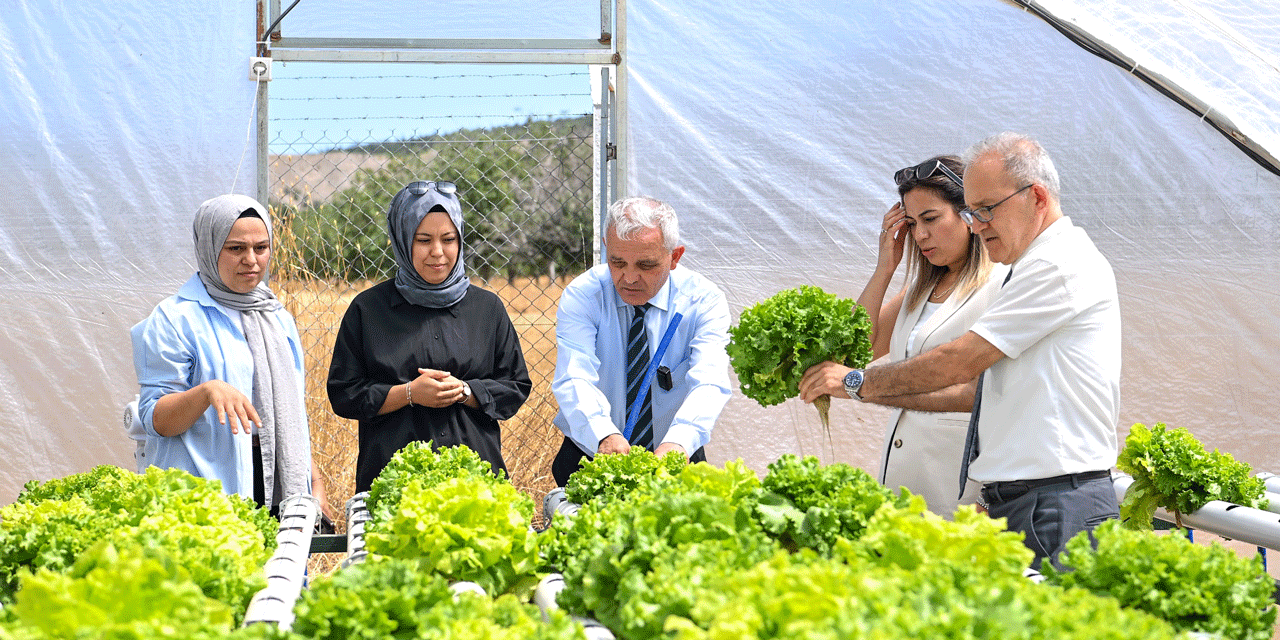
(220, 366)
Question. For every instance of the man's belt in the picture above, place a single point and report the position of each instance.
(994, 492)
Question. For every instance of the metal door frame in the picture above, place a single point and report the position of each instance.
(605, 57)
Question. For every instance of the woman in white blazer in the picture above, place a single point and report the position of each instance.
(950, 281)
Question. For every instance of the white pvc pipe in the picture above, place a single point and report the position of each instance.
(1273, 501)
(354, 558)
(1271, 480)
(545, 597)
(357, 515)
(593, 629)
(556, 502)
(464, 586)
(269, 606)
(1246, 524)
(1271, 485)
(286, 569)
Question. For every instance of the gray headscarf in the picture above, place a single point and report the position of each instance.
(406, 212)
(285, 439)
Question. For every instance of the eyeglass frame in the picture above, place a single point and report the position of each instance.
(443, 187)
(969, 215)
(900, 176)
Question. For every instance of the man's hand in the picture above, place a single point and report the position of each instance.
(824, 378)
(670, 446)
(614, 443)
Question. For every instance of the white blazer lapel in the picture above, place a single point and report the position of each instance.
(940, 317)
(902, 330)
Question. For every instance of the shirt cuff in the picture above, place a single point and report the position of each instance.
(598, 430)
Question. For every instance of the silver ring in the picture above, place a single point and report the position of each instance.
(884, 231)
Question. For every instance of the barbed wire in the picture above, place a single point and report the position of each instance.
(469, 76)
(435, 97)
(440, 117)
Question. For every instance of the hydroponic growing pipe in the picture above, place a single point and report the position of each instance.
(1246, 524)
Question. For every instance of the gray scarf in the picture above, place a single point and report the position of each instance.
(284, 436)
(403, 217)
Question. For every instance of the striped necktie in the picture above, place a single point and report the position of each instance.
(637, 366)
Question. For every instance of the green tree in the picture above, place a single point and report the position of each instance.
(525, 195)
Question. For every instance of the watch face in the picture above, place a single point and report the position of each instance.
(853, 380)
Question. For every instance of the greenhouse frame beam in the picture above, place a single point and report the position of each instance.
(607, 50)
(443, 56)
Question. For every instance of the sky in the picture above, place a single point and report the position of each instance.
(322, 103)
(314, 106)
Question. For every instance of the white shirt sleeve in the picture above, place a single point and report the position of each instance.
(1034, 303)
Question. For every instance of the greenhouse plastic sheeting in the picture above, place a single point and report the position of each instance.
(773, 128)
(116, 121)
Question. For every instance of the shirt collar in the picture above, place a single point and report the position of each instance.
(1060, 226)
(398, 300)
(194, 290)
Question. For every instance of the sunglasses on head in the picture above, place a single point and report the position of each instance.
(924, 171)
(420, 187)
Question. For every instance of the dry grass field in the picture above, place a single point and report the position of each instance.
(529, 440)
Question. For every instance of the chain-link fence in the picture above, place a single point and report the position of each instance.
(526, 191)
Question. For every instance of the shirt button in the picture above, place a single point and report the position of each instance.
(897, 444)
(437, 336)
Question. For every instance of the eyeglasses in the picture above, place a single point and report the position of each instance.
(983, 214)
(924, 171)
(420, 187)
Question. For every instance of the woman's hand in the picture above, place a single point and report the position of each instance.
(893, 238)
(176, 412)
(435, 388)
(234, 409)
(320, 492)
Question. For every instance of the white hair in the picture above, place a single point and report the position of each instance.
(1024, 159)
(628, 216)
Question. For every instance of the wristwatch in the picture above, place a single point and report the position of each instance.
(852, 383)
(466, 392)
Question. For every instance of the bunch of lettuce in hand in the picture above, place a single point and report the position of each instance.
(776, 340)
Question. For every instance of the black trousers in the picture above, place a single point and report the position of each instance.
(570, 458)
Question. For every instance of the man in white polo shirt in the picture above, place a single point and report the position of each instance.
(1047, 405)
